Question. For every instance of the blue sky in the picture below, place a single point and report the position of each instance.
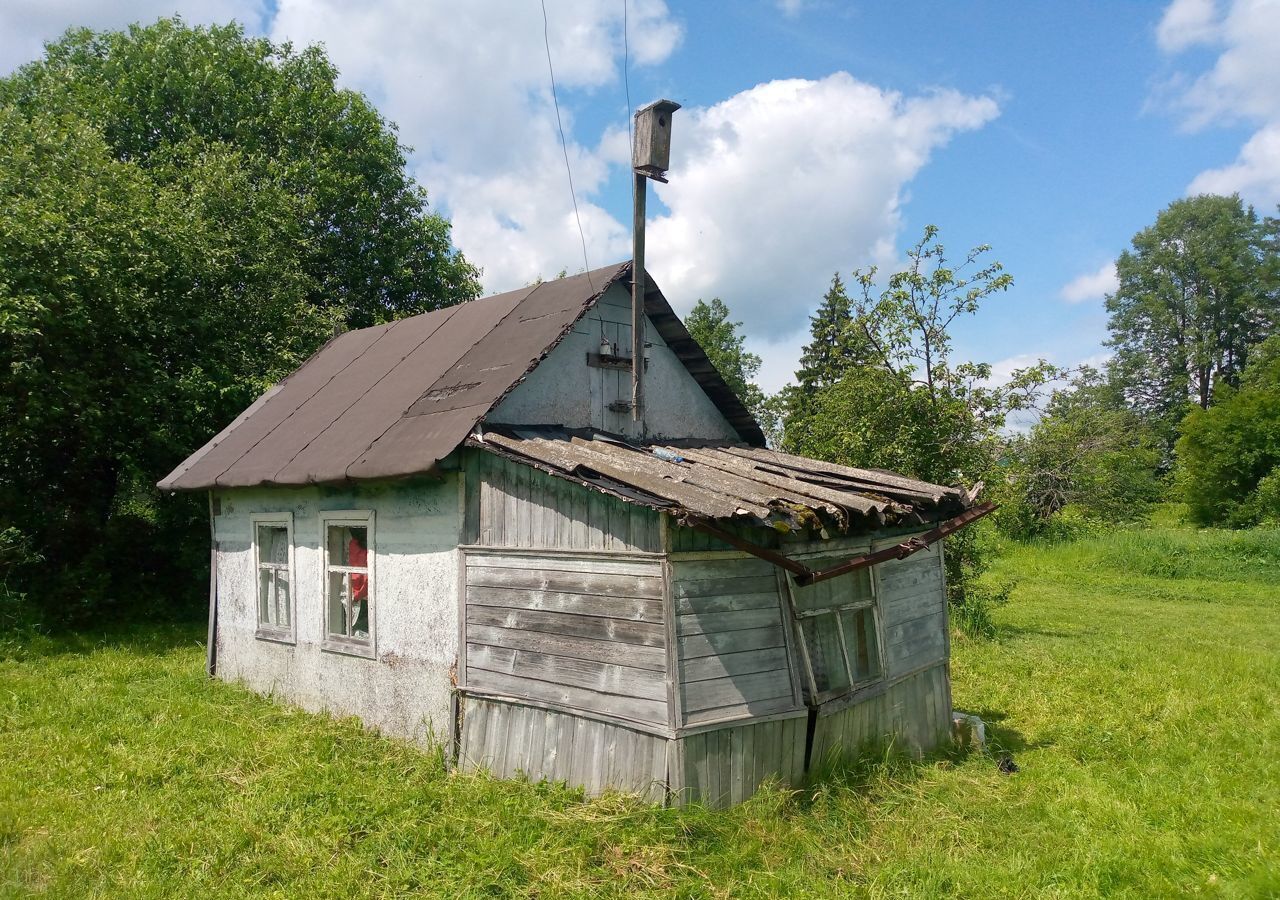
(816, 136)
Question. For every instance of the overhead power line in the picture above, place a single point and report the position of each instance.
(573, 195)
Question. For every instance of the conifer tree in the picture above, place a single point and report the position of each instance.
(825, 357)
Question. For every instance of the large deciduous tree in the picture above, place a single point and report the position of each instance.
(1197, 290)
(185, 215)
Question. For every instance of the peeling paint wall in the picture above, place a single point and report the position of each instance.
(406, 690)
(564, 390)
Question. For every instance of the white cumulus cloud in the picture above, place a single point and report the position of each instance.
(1186, 23)
(1091, 285)
(777, 187)
(772, 189)
(1254, 174)
(468, 86)
(1242, 85)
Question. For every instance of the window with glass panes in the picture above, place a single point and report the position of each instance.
(273, 561)
(348, 580)
(837, 625)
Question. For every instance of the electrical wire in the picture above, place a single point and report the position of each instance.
(626, 80)
(546, 40)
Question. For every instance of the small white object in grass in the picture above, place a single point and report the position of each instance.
(968, 729)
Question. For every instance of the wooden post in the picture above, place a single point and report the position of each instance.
(650, 156)
(211, 641)
(637, 300)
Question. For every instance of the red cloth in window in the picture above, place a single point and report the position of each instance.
(358, 556)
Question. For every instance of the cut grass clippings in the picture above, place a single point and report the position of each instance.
(1135, 680)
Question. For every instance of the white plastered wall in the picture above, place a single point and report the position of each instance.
(564, 390)
(406, 690)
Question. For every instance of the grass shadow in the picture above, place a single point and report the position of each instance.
(153, 639)
(1000, 737)
(1021, 631)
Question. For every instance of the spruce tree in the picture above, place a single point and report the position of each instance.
(825, 360)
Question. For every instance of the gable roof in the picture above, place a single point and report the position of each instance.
(395, 399)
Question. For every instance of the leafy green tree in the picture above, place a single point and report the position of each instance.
(1198, 289)
(185, 215)
(163, 95)
(900, 402)
(722, 341)
(1088, 451)
(1228, 457)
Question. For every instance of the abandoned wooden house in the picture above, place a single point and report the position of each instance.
(453, 527)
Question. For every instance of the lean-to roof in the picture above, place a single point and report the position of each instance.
(728, 483)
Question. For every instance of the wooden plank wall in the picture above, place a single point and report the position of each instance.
(913, 610)
(512, 505)
(511, 739)
(580, 631)
(728, 765)
(734, 657)
(915, 712)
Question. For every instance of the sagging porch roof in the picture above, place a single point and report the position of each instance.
(728, 483)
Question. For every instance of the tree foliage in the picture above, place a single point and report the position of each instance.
(722, 340)
(883, 391)
(1198, 289)
(1228, 457)
(826, 356)
(896, 398)
(1088, 451)
(185, 215)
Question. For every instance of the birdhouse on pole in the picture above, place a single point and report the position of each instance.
(651, 153)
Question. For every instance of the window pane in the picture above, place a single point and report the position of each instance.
(338, 598)
(852, 588)
(822, 640)
(273, 575)
(273, 544)
(860, 643)
(348, 545)
(282, 598)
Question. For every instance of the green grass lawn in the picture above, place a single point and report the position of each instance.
(1136, 680)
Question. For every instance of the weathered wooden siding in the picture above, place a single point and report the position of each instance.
(726, 766)
(580, 631)
(915, 713)
(734, 655)
(913, 610)
(511, 739)
(512, 505)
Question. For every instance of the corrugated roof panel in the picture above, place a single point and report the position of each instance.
(719, 482)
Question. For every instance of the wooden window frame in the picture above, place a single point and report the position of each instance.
(265, 631)
(873, 604)
(334, 643)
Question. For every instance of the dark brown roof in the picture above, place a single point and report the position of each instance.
(395, 399)
(747, 485)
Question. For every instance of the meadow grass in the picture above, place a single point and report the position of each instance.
(1135, 680)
